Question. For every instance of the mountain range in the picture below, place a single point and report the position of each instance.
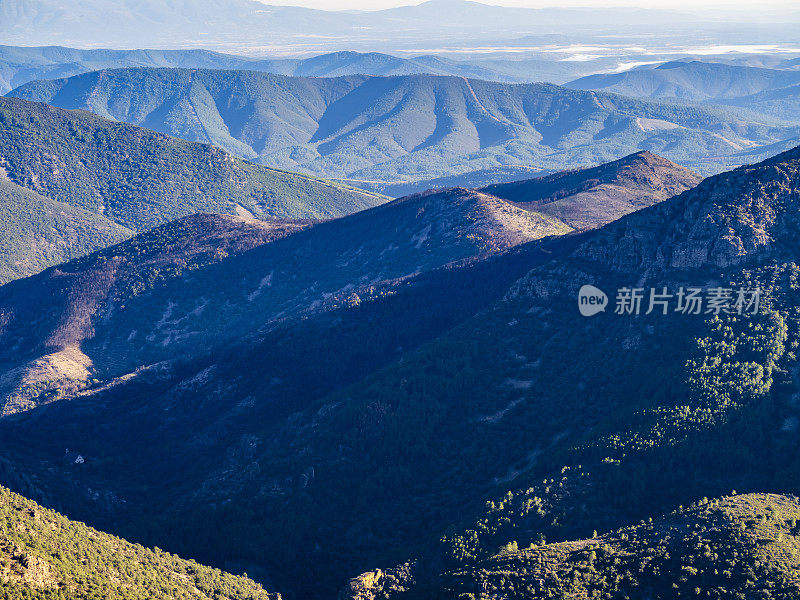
(769, 91)
(449, 425)
(20, 64)
(162, 295)
(403, 129)
(72, 182)
(561, 363)
(693, 80)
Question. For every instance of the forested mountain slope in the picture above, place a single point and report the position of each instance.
(715, 548)
(139, 179)
(401, 129)
(45, 555)
(366, 427)
(36, 232)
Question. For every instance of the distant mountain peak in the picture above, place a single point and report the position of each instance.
(645, 157)
(449, 3)
(644, 154)
(594, 196)
(749, 213)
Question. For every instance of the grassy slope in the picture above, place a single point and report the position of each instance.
(38, 232)
(44, 555)
(140, 179)
(412, 127)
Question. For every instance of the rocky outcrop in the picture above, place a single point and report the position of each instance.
(378, 583)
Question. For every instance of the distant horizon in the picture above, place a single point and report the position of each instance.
(732, 6)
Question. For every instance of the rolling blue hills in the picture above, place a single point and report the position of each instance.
(773, 92)
(409, 128)
(21, 64)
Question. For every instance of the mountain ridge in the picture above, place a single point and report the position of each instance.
(692, 80)
(413, 127)
(746, 225)
(769, 91)
(159, 296)
(20, 65)
(594, 196)
(140, 178)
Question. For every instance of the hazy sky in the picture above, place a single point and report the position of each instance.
(691, 4)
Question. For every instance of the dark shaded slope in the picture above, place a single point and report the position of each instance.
(510, 397)
(211, 414)
(624, 417)
(44, 360)
(160, 296)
